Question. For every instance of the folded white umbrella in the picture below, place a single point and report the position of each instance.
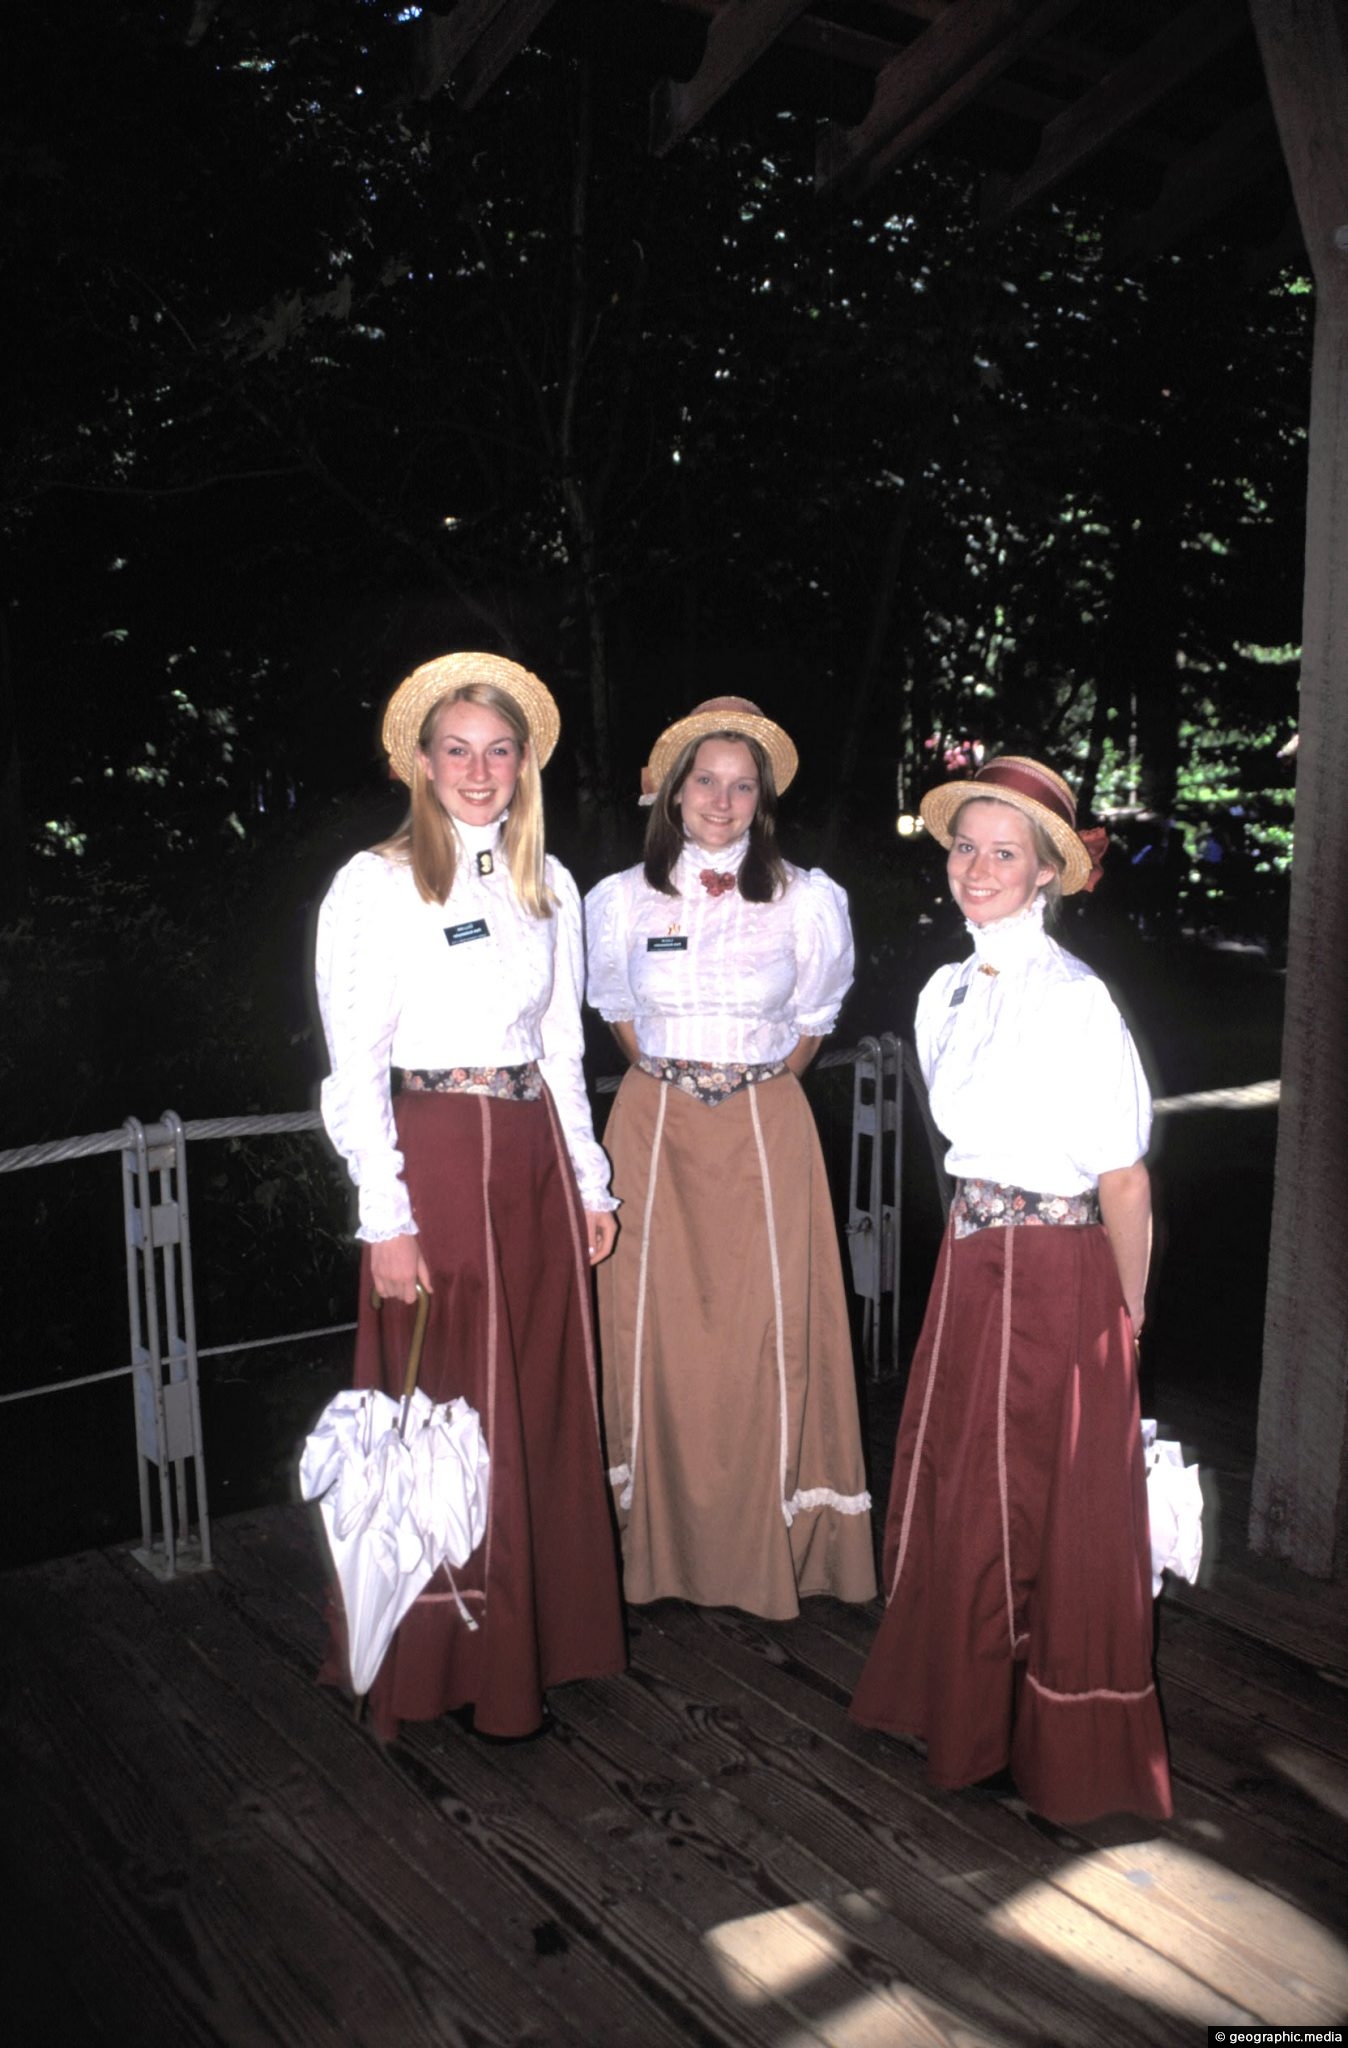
(402, 1488)
(1174, 1509)
(360, 1470)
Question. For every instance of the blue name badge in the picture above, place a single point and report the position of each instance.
(671, 943)
(460, 934)
(960, 993)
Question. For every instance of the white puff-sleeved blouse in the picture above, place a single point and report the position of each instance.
(1032, 1073)
(708, 977)
(474, 981)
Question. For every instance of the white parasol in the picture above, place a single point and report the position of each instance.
(402, 1488)
(1174, 1509)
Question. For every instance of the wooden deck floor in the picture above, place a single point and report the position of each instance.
(202, 1847)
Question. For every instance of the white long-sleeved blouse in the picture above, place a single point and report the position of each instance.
(708, 977)
(1032, 1073)
(474, 981)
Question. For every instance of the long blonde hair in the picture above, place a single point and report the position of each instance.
(426, 840)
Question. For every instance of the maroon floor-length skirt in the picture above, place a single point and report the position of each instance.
(1017, 1566)
(510, 1329)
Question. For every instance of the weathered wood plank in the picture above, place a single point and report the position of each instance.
(938, 1868)
(776, 1921)
(704, 1850)
(1217, 1818)
(484, 1788)
(409, 1922)
(1123, 1886)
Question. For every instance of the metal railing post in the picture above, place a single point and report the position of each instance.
(863, 1190)
(165, 1378)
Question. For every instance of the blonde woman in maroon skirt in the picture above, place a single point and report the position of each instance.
(1018, 1626)
(729, 1388)
(449, 967)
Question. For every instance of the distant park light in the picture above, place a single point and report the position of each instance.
(907, 826)
(450, 522)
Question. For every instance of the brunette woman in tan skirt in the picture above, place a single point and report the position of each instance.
(729, 1389)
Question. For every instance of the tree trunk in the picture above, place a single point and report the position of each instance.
(859, 728)
(1301, 1469)
(13, 835)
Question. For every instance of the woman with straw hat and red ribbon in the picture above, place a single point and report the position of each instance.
(452, 955)
(729, 1391)
(1018, 1626)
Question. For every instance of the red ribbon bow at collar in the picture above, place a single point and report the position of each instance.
(714, 884)
(1095, 839)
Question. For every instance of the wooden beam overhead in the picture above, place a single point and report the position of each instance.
(1199, 185)
(498, 45)
(968, 86)
(1189, 41)
(444, 40)
(966, 41)
(737, 36)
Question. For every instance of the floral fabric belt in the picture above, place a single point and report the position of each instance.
(710, 1081)
(995, 1205)
(508, 1084)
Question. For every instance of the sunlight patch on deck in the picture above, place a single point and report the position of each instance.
(1119, 1915)
(763, 1955)
(786, 1956)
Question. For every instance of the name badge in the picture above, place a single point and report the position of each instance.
(671, 943)
(960, 993)
(460, 934)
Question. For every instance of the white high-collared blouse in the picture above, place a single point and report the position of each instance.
(1032, 1073)
(708, 977)
(475, 982)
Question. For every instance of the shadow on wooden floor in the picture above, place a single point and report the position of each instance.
(203, 1847)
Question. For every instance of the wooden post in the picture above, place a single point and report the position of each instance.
(1300, 1506)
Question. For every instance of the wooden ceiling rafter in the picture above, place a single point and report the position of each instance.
(1189, 40)
(444, 40)
(471, 47)
(1017, 60)
(1199, 185)
(940, 72)
(737, 36)
(500, 42)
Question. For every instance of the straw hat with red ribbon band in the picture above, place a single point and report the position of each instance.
(719, 714)
(1036, 791)
(426, 685)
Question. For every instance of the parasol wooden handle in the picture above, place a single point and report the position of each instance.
(414, 1353)
(418, 1340)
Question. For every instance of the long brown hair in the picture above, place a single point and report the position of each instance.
(762, 874)
(426, 840)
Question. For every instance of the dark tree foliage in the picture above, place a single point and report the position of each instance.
(317, 378)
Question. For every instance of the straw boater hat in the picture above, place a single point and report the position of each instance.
(426, 685)
(1036, 791)
(719, 714)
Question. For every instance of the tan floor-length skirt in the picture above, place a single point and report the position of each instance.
(730, 1403)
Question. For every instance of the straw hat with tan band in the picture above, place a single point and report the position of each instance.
(1036, 791)
(426, 685)
(719, 714)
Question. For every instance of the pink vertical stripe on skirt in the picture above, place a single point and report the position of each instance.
(510, 1329)
(1017, 1560)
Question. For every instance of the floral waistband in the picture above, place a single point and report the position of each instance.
(996, 1205)
(508, 1084)
(710, 1081)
